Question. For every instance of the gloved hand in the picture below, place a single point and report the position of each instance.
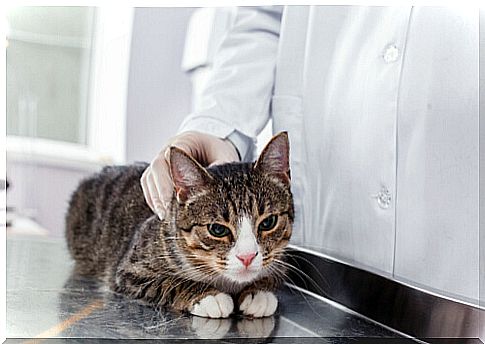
(208, 150)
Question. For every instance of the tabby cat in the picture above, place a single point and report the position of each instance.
(220, 248)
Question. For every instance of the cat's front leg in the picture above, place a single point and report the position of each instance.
(187, 297)
(202, 300)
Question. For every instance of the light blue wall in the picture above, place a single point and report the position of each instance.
(159, 93)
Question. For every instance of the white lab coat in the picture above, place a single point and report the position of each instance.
(381, 106)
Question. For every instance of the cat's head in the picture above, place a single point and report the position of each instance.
(234, 220)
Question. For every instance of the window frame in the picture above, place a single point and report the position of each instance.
(106, 105)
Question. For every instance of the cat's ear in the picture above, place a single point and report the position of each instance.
(187, 174)
(275, 158)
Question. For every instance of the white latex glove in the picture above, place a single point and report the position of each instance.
(208, 150)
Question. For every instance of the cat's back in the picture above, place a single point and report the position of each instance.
(104, 212)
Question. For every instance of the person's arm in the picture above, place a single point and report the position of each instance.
(237, 96)
(234, 105)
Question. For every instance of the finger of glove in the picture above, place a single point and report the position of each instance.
(144, 187)
(222, 152)
(163, 181)
(155, 197)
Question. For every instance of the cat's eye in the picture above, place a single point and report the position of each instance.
(268, 223)
(218, 230)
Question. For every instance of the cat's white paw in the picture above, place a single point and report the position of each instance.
(261, 304)
(217, 306)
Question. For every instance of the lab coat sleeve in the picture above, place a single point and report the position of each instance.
(235, 101)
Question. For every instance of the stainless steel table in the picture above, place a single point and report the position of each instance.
(45, 300)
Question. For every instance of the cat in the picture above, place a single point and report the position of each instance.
(220, 249)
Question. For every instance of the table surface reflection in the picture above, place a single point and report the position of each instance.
(45, 300)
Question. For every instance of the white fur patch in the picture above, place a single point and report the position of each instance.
(261, 304)
(246, 243)
(218, 306)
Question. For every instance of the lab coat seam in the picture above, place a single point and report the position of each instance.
(396, 133)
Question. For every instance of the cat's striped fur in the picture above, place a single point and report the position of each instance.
(112, 233)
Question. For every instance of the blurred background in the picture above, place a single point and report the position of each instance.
(86, 88)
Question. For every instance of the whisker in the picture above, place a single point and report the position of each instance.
(307, 301)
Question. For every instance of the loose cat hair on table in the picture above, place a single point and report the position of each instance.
(221, 244)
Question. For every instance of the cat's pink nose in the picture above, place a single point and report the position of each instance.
(246, 258)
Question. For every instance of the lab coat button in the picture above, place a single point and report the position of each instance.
(391, 53)
(384, 198)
